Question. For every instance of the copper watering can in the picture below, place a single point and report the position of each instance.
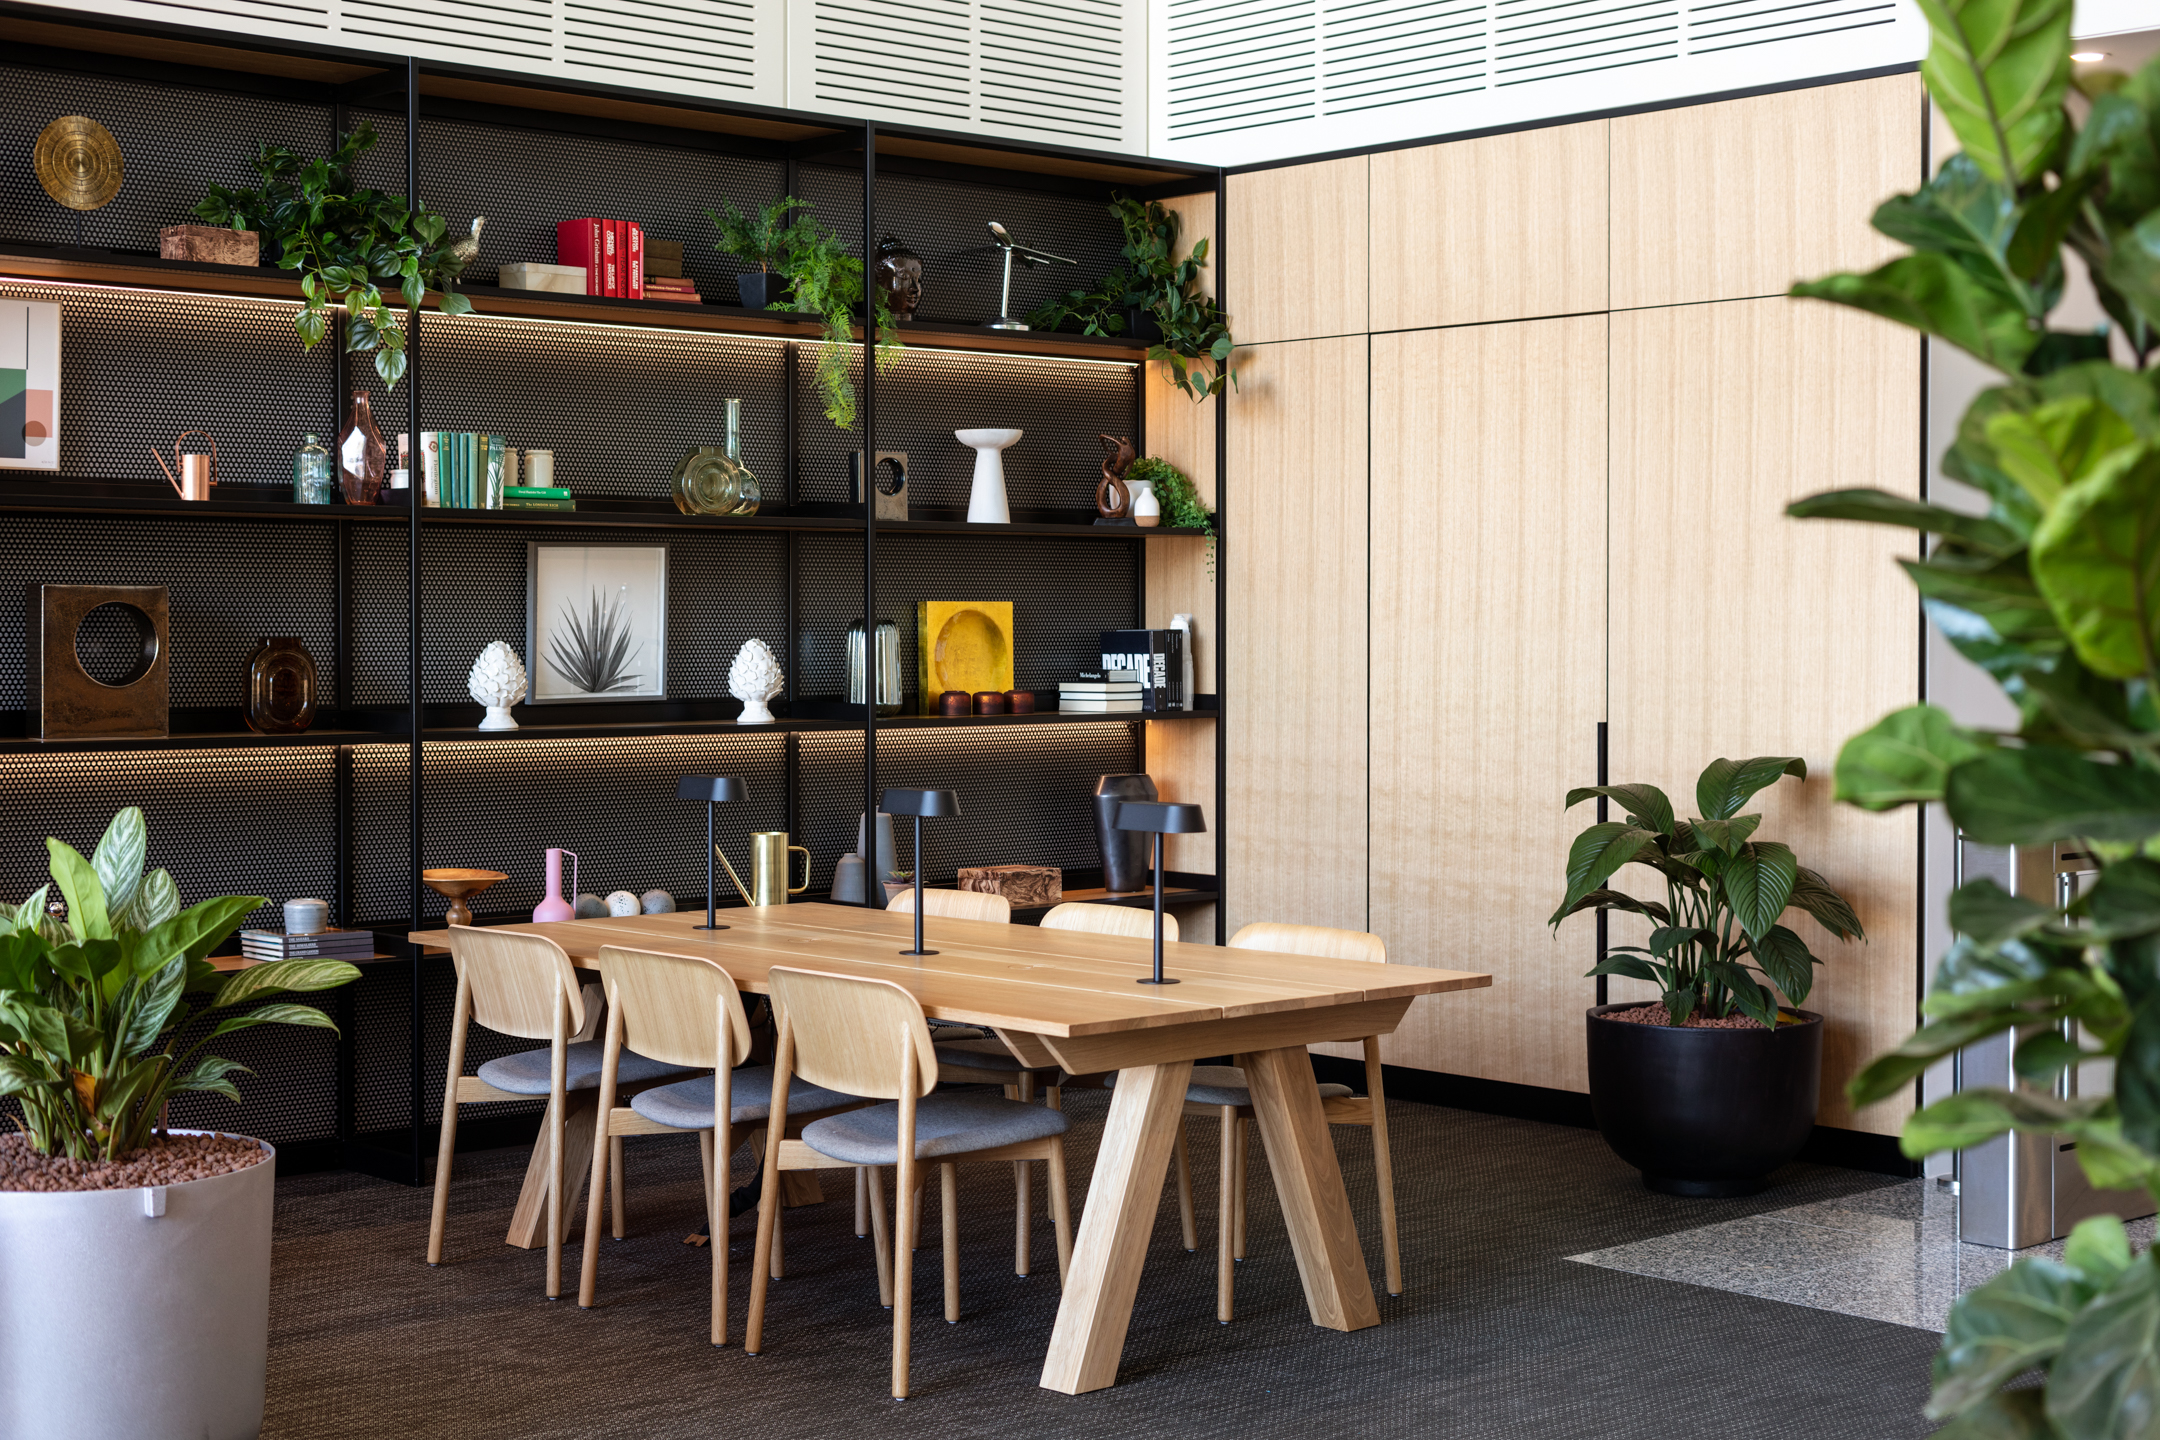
(197, 472)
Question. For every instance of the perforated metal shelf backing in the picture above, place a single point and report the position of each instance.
(925, 395)
(938, 219)
(136, 369)
(524, 181)
(501, 806)
(723, 589)
(175, 141)
(1025, 794)
(1064, 594)
(231, 582)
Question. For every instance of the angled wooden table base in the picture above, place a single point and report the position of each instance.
(1069, 998)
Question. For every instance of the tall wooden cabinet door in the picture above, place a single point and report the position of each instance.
(1742, 198)
(1737, 631)
(1295, 251)
(1488, 650)
(1294, 558)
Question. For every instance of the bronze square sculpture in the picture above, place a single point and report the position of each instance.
(97, 667)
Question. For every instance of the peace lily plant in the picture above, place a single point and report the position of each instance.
(2055, 592)
(97, 1031)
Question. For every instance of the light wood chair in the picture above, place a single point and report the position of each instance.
(1219, 1091)
(954, 905)
(868, 1037)
(689, 1012)
(524, 985)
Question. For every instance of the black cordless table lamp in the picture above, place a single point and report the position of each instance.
(1159, 819)
(713, 790)
(919, 803)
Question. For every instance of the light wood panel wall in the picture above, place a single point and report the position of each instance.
(1501, 228)
(1295, 651)
(1741, 198)
(1488, 621)
(1300, 258)
(1737, 632)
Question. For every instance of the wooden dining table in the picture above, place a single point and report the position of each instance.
(1070, 999)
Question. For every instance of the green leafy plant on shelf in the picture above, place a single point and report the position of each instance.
(95, 1016)
(1196, 343)
(1180, 500)
(823, 280)
(1717, 929)
(2055, 592)
(348, 242)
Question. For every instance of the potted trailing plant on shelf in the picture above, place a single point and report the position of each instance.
(1156, 297)
(828, 282)
(762, 238)
(348, 242)
(1180, 500)
(138, 1294)
(1712, 1086)
(2053, 592)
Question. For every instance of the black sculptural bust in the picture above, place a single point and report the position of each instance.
(899, 272)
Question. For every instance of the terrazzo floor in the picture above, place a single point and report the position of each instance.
(1888, 1254)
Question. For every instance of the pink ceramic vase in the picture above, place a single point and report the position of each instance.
(555, 907)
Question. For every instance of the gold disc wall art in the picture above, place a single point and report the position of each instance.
(78, 162)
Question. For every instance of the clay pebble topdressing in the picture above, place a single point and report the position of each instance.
(168, 1160)
(1657, 1014)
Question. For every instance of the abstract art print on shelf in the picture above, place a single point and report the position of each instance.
(596, 621)
(29, 385)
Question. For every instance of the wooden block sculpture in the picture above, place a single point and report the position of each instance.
(1022, 885)
(123, 631)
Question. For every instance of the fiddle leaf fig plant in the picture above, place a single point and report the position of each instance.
(348, 242)
(1196, 343)
(97, 1031)
(1717, 940)
(2055, 592)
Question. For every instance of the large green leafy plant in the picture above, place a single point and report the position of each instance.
(1196, 343)
(348, 242)
(1716, 939)
(95, 1019)
(2055, 592)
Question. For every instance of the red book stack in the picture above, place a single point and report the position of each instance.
(612, 252)
(658, 287)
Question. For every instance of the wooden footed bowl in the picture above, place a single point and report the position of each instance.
(457, 885)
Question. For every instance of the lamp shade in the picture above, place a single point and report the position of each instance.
(1160, 818)
(714, 789)
(923, 804)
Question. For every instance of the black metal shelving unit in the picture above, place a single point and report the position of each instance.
(395, 601)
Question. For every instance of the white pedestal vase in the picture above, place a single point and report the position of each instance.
(142, 1313)
(986, 501)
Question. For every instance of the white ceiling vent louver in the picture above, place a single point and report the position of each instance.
(1237, 65)
(1735, 24)
(1066, 71)
(1381, 53)
(1541, 40)
(712, 45)
(497, 32)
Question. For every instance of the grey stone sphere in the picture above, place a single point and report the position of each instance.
(657, 902)
(591, 907)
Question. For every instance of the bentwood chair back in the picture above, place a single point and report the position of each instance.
(676, 1008)
(868, 1037)
(1123, 920)
(955, 905)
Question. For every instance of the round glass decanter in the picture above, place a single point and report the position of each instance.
(714, 480)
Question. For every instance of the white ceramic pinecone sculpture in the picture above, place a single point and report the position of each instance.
(754, 678)
(498, 682)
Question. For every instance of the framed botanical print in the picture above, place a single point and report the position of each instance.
(596, 621)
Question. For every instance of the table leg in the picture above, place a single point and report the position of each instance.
(528, 1223)
(1308, 1181)
(1122, 1200)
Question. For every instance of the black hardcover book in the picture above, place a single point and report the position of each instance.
(1149, 652)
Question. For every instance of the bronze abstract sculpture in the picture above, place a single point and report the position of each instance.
(1113, 499)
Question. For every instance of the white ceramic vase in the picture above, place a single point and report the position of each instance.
(986, 501)
(173, 1283)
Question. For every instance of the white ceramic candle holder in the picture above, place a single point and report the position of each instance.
(986, 502)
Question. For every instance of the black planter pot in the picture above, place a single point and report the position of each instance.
(1704, 1112)
(761, 288)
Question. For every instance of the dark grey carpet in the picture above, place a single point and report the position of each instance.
(1497, 1335)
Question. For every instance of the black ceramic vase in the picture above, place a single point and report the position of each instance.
(761, 288)
(1704, 1112)
(1124, 852)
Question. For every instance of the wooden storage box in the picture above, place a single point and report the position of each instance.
(210, 244)
(563, 279)
(1022, 885)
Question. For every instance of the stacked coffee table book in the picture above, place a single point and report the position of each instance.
(322, 945)
(1101, 692)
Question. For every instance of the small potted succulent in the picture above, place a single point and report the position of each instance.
(1711, 1086)
(137, 1300)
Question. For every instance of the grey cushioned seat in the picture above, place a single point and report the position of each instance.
(946, 1126)
(688, 1104)
(527, 1073)
(1225, 1085)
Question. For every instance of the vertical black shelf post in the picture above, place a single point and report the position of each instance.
(869, 504)
(1222, 588)
(416, 1094)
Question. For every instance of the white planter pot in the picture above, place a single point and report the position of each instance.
(120, 1323)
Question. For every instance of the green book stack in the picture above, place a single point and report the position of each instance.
(538, 497)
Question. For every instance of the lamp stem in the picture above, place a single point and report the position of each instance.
(711, 882)
(1158, 908)
(918, 885)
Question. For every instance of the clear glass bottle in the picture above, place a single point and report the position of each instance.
(888, 666)
(712, 480)
(314, 476)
